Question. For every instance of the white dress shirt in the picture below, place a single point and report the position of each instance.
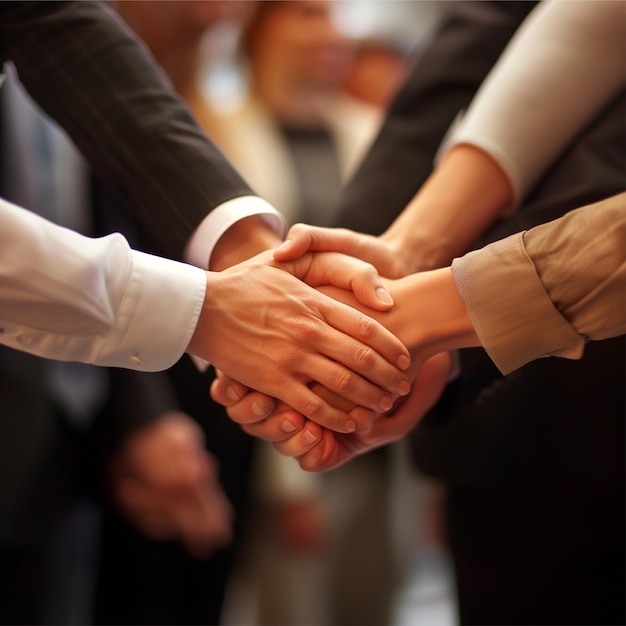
(71, 298)
(68, 297)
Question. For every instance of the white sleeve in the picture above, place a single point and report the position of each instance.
(217, 222)
(564, 64)
(68, 297)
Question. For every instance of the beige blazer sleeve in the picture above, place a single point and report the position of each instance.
(550, 289)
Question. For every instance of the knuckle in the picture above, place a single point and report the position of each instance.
(370, 271)
(343, 380)
(305, 330)
(312, 407)
(364, 357)
(366, 326)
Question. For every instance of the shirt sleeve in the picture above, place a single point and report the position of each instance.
(564, 64)
(547, 291)
(200, 247)
(68, 297)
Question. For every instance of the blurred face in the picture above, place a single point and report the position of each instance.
(166, 22)
(300, 37)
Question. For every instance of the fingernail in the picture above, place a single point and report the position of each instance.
(403, 361)
(385, 403)
(260, 410)
(384, 296)
(309, 437)
(284, 245)
(404, 387)
(288, 426)
(350, 426)
(231, 394)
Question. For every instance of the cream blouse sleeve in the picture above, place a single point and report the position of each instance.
(550, 289)
(565, 63)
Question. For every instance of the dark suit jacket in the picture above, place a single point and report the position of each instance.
(47, 465)
(95, 80)
(534, 461)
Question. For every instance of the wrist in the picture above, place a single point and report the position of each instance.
(418, 250)
(243, 240)
(430, 314)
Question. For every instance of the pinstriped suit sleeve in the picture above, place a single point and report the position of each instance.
(84, 68)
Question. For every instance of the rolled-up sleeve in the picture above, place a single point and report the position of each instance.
(547, 291)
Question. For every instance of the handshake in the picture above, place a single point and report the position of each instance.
(355, 363)
(339, 361)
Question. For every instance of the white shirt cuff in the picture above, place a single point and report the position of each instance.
(157, 316)
(218, 221)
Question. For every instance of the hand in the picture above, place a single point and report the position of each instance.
(167, 484)
(274, 333)
(317, 448)
(382, 254)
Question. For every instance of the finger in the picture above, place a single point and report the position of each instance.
(347, 272)
(429, 384)
(302, 442)
(226, 390)
(204, 520)
(347, 390)
(278, 427)
(302, 238)
(366, 347)
(252, 408)
(323, 456)
(366, 330)
(318, 410)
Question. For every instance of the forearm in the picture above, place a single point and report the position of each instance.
(508, 141)
(462, 198)
(558, 48)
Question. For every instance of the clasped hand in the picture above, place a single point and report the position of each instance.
(317, 447)
(264, 324)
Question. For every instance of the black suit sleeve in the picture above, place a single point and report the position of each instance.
(444, 80)
(85, 69)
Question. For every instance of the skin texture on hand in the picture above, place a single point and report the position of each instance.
(429, 315)
(319, 449)
(303, 238)
(273, 332)
(165, 482)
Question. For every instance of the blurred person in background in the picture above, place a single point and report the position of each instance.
(26, 33)
(533, 462)
(295, 137)
(63, 423)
